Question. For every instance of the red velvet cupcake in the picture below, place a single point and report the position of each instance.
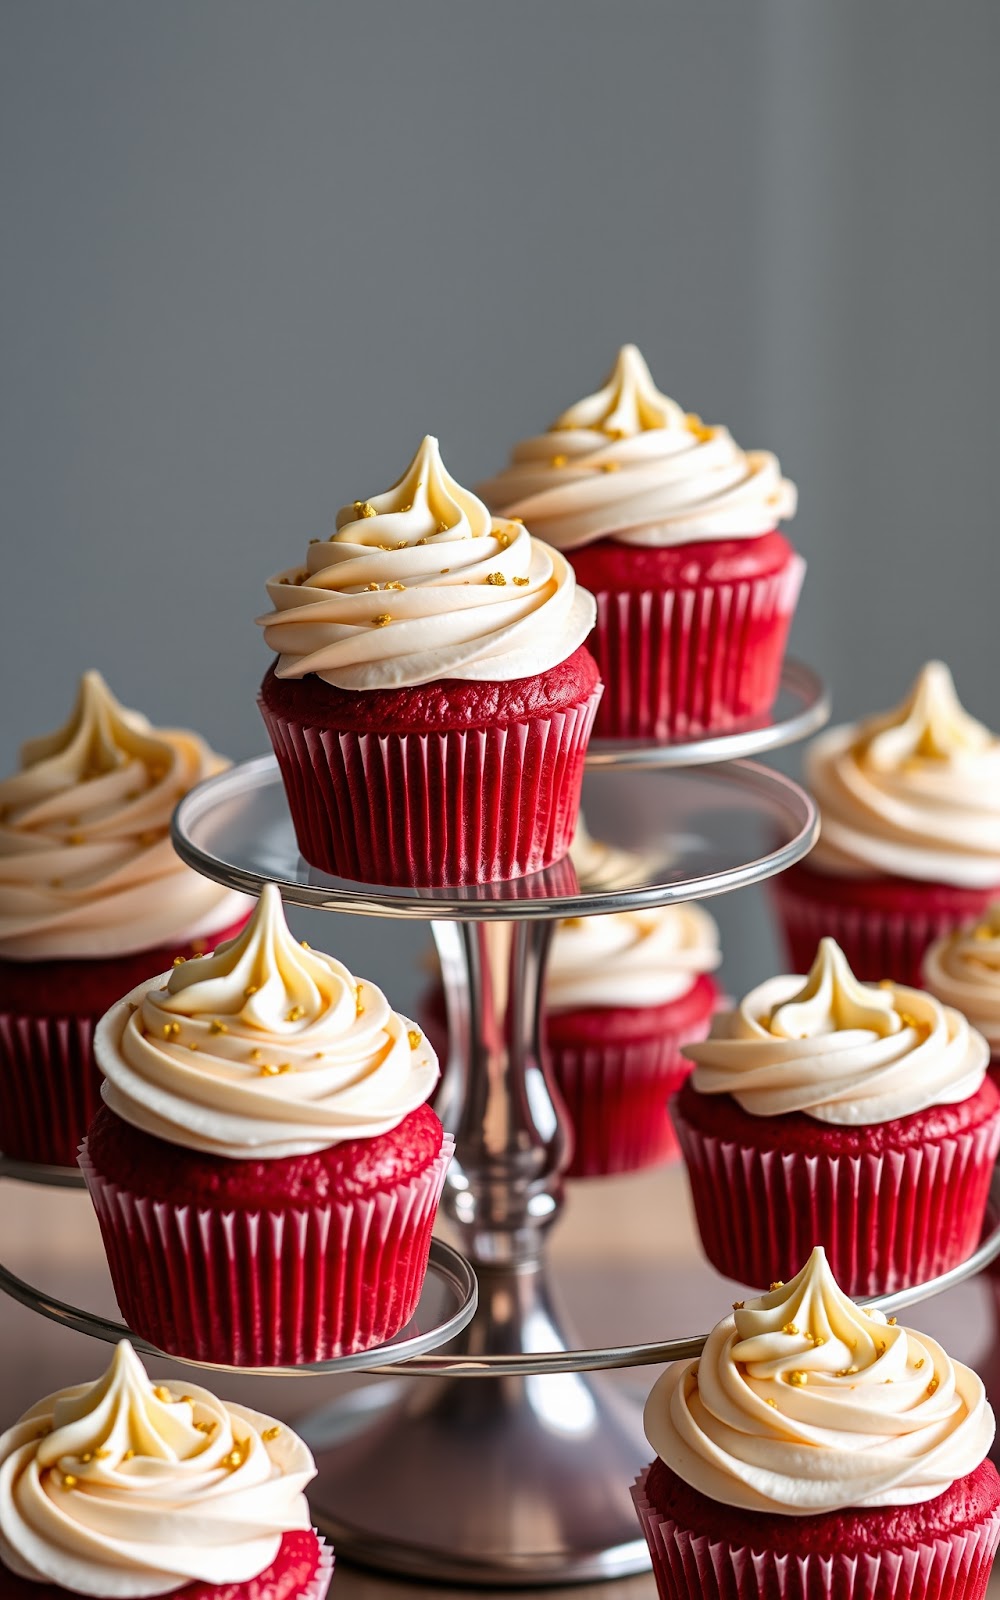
(859, 1118)
(122, 1488)
(963, 971)
(816, 1452)
(910, 842)
(265, 1171)
(92, 897)
(431, 704)
(673, 528)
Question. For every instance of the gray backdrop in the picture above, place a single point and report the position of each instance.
(252, 251)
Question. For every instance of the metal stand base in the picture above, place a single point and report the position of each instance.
(499, 1481)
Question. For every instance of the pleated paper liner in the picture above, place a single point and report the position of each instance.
(946, 1564)
(885, 1220)
(302, 1570)
(884, 926)
(435, 809)
(269, 1287)
(681, 662)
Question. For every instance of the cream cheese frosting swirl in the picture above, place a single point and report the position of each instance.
(963, 970)
(629, 464)
(121, 1489)
(420, 584)
(803, 1403)
(630, 958)
(265, 1049)
(838, 1050)
(87, 868)
(914, 793)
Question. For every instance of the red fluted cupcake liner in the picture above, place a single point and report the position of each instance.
(692, 1565)
(435, 809)
(50, 1085)
(685, 661)
(282, 1580)
(883, 926)
(267, 1287)
(886, 1221)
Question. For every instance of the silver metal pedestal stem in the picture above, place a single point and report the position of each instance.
(504, 1481)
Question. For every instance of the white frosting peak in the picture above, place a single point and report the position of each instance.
(841, 1051)
(264, 1049)
(628, 463)
(87, 868)
(913, 792)
(420, 584)
(963, 970)
(803, 1403)
(121, 1489)
(630, 958)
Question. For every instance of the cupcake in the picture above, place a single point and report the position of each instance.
(823, 1110)
(264, 1169)
(623, 993)
(910, 842)
(92, 896)
(674, 529)
(818, 1451)
(122, 1489)
(963, 971)
(427, 736)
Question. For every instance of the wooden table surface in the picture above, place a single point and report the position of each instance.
(625, 1260)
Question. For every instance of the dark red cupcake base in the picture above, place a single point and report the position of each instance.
(892, 1204)
(939, 1549)
(267, 1263)
(301, 1570)
(883, 925)
(689, 639)
(445, 784)
(50, 1087)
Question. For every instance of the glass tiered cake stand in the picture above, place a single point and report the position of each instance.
(506, 1463)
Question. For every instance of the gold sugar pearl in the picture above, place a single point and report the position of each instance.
(778, 1283)
(414, 1037)
(919, 1364)
(255, 1055)
(295, 1014)
(401, 544)
(269, 1070)
(610, 466)
(880, 1346)
(497, 579)
(163, 1393)
(382, 620)
(559, 461)
(503, 540)
(521, 582)
(790, 1328)
(442, 527)
(101, 1455)
(395, 585)
(87, 1457)
(817, 1338)
(371, 588)
(359, 1004)
(891, 1322)
(217, 1026)
(205, 1427)
(188, 1400)
(773, 1403)
(270, 1434)
(171, 1030)
(738, 1305)
(69, 1482)
(932, 1385)
(364, 508)
(445, 571)
(179, 961)
(798, 1379)
(304, 945)
(408, 506)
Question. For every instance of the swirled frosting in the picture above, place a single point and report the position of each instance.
(122, 1488)
(841, 1051)
(963, 970)
(803, 1403)
(265, 1049)
(914, 792)
(86, 864)
(627, 463)
(420, 584)
(630, 958)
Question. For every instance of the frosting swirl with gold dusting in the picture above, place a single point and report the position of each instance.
(914, 792)
(627, 463)
(87, 868)
(420, 584)
(630, 958)
(963, 970)
(122, 1488)
(803, 1403)
(838, 1050)
(265, 1049)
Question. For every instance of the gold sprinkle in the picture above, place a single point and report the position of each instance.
(318, 1056)
(101, 1455)
(285, 1066)
(518, 520)
(497, 579)
(773, 1403)
(364, 508)
(503, 540)
(250, 989)
(880, 1346)
(171, 1030)
(891, 1322)
(255, 1055)
(445, 571)
(382, 620)
(414, 1037)
(932, 1385)
(69, 1482)
(295, 1014)
(521, 582)
(799, 1379)
(442, 527)
(269, 1070)
(559, 461)
(395, 585)
(737, 1304)
(163, 1393)
(188, 1400)
(179, 961)
(843, 1372)
(408, 507)
(613, 433)
(269, 1434)
(218, 1027)
(401, 544)
(422, 541)
(304, 945)
(205, 1427)
(359, 1004)
(790, 1328)
(371, 588)
(919, 1364)
(610, 466)
(88, 1456)
(886, 1380)
(129, 1455)
(777, 1284)
(818, 1338)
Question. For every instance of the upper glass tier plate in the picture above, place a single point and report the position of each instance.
(656, 835)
